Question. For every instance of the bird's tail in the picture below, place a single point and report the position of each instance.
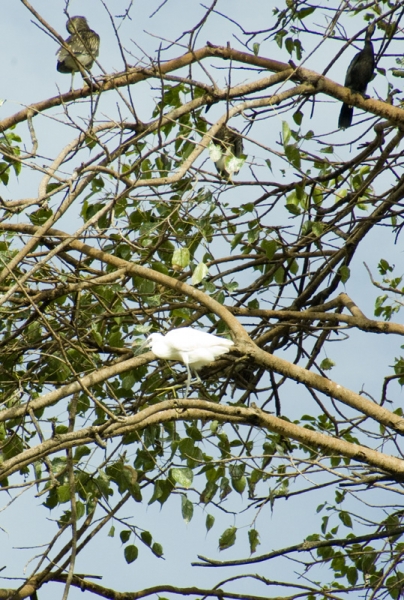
(345, 116)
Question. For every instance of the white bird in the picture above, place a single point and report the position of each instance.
(193, 347)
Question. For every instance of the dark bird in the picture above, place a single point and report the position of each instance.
(359, 74)
(230, 144)
(84, 45)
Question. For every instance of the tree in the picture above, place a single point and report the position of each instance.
(132, 231)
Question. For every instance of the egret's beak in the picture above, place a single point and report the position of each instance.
(138, 349)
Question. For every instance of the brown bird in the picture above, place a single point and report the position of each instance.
(84, 45)
(230, 143)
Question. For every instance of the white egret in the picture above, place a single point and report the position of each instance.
(193, 347)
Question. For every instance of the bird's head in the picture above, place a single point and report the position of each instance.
(75, 24)
(148, 343)
(153, 337)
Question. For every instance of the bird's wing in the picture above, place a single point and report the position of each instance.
(85, 46)
(187, 339)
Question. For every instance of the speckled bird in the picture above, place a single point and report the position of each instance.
(231, 144)
(84, 45)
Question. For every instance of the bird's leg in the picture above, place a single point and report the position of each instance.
(199, 380)
(188, 380)
(71, 87)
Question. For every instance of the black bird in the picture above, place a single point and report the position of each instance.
(84, 45)
(231, 144)
(359, 74)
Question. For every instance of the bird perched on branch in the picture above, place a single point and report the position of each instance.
(359, 74)
(84, 45)
(227, 151)
(193, 347)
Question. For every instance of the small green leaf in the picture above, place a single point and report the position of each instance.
(270, 247)
(298, 117)
(125, 535)
(346, 519)
(227, 538)
(187, 509)
(200, 273)
(327, 364)
(280, 275)
(157, 549)
(256, 49)
(317, 228)
(253, 538)
(80, 452)
(131, 554)
(352, 575)
(286, 133)
(269, 164)
(345, 273)
(182, 476)
(146, 537)
(239, 484)
(210, 519)
(180, 259)
(63, 493)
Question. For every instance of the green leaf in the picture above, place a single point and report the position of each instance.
(292, 153)
(345, 273)
(352, 575)
(80, 452)
(180, 259)
(146, 538)
(292, 203)
(131, 553)
(253, 538)
(239, 484)
(280, 275)
(210, 519)
(187, 509)
(227, 538)
(40, 216)
(125, 535)
(80, 509)
(286, 133)
(269, 247)
(209, 492)
(317, 228)
(346, 519)
(157, 549)
(298, 117)
(182, 476)
(200, 273)
(63, 492)
(256, 49)
(305, 12)
(289, 45)
(327, 364)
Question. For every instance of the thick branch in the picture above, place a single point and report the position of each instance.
(187, 410)
(317, 82)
